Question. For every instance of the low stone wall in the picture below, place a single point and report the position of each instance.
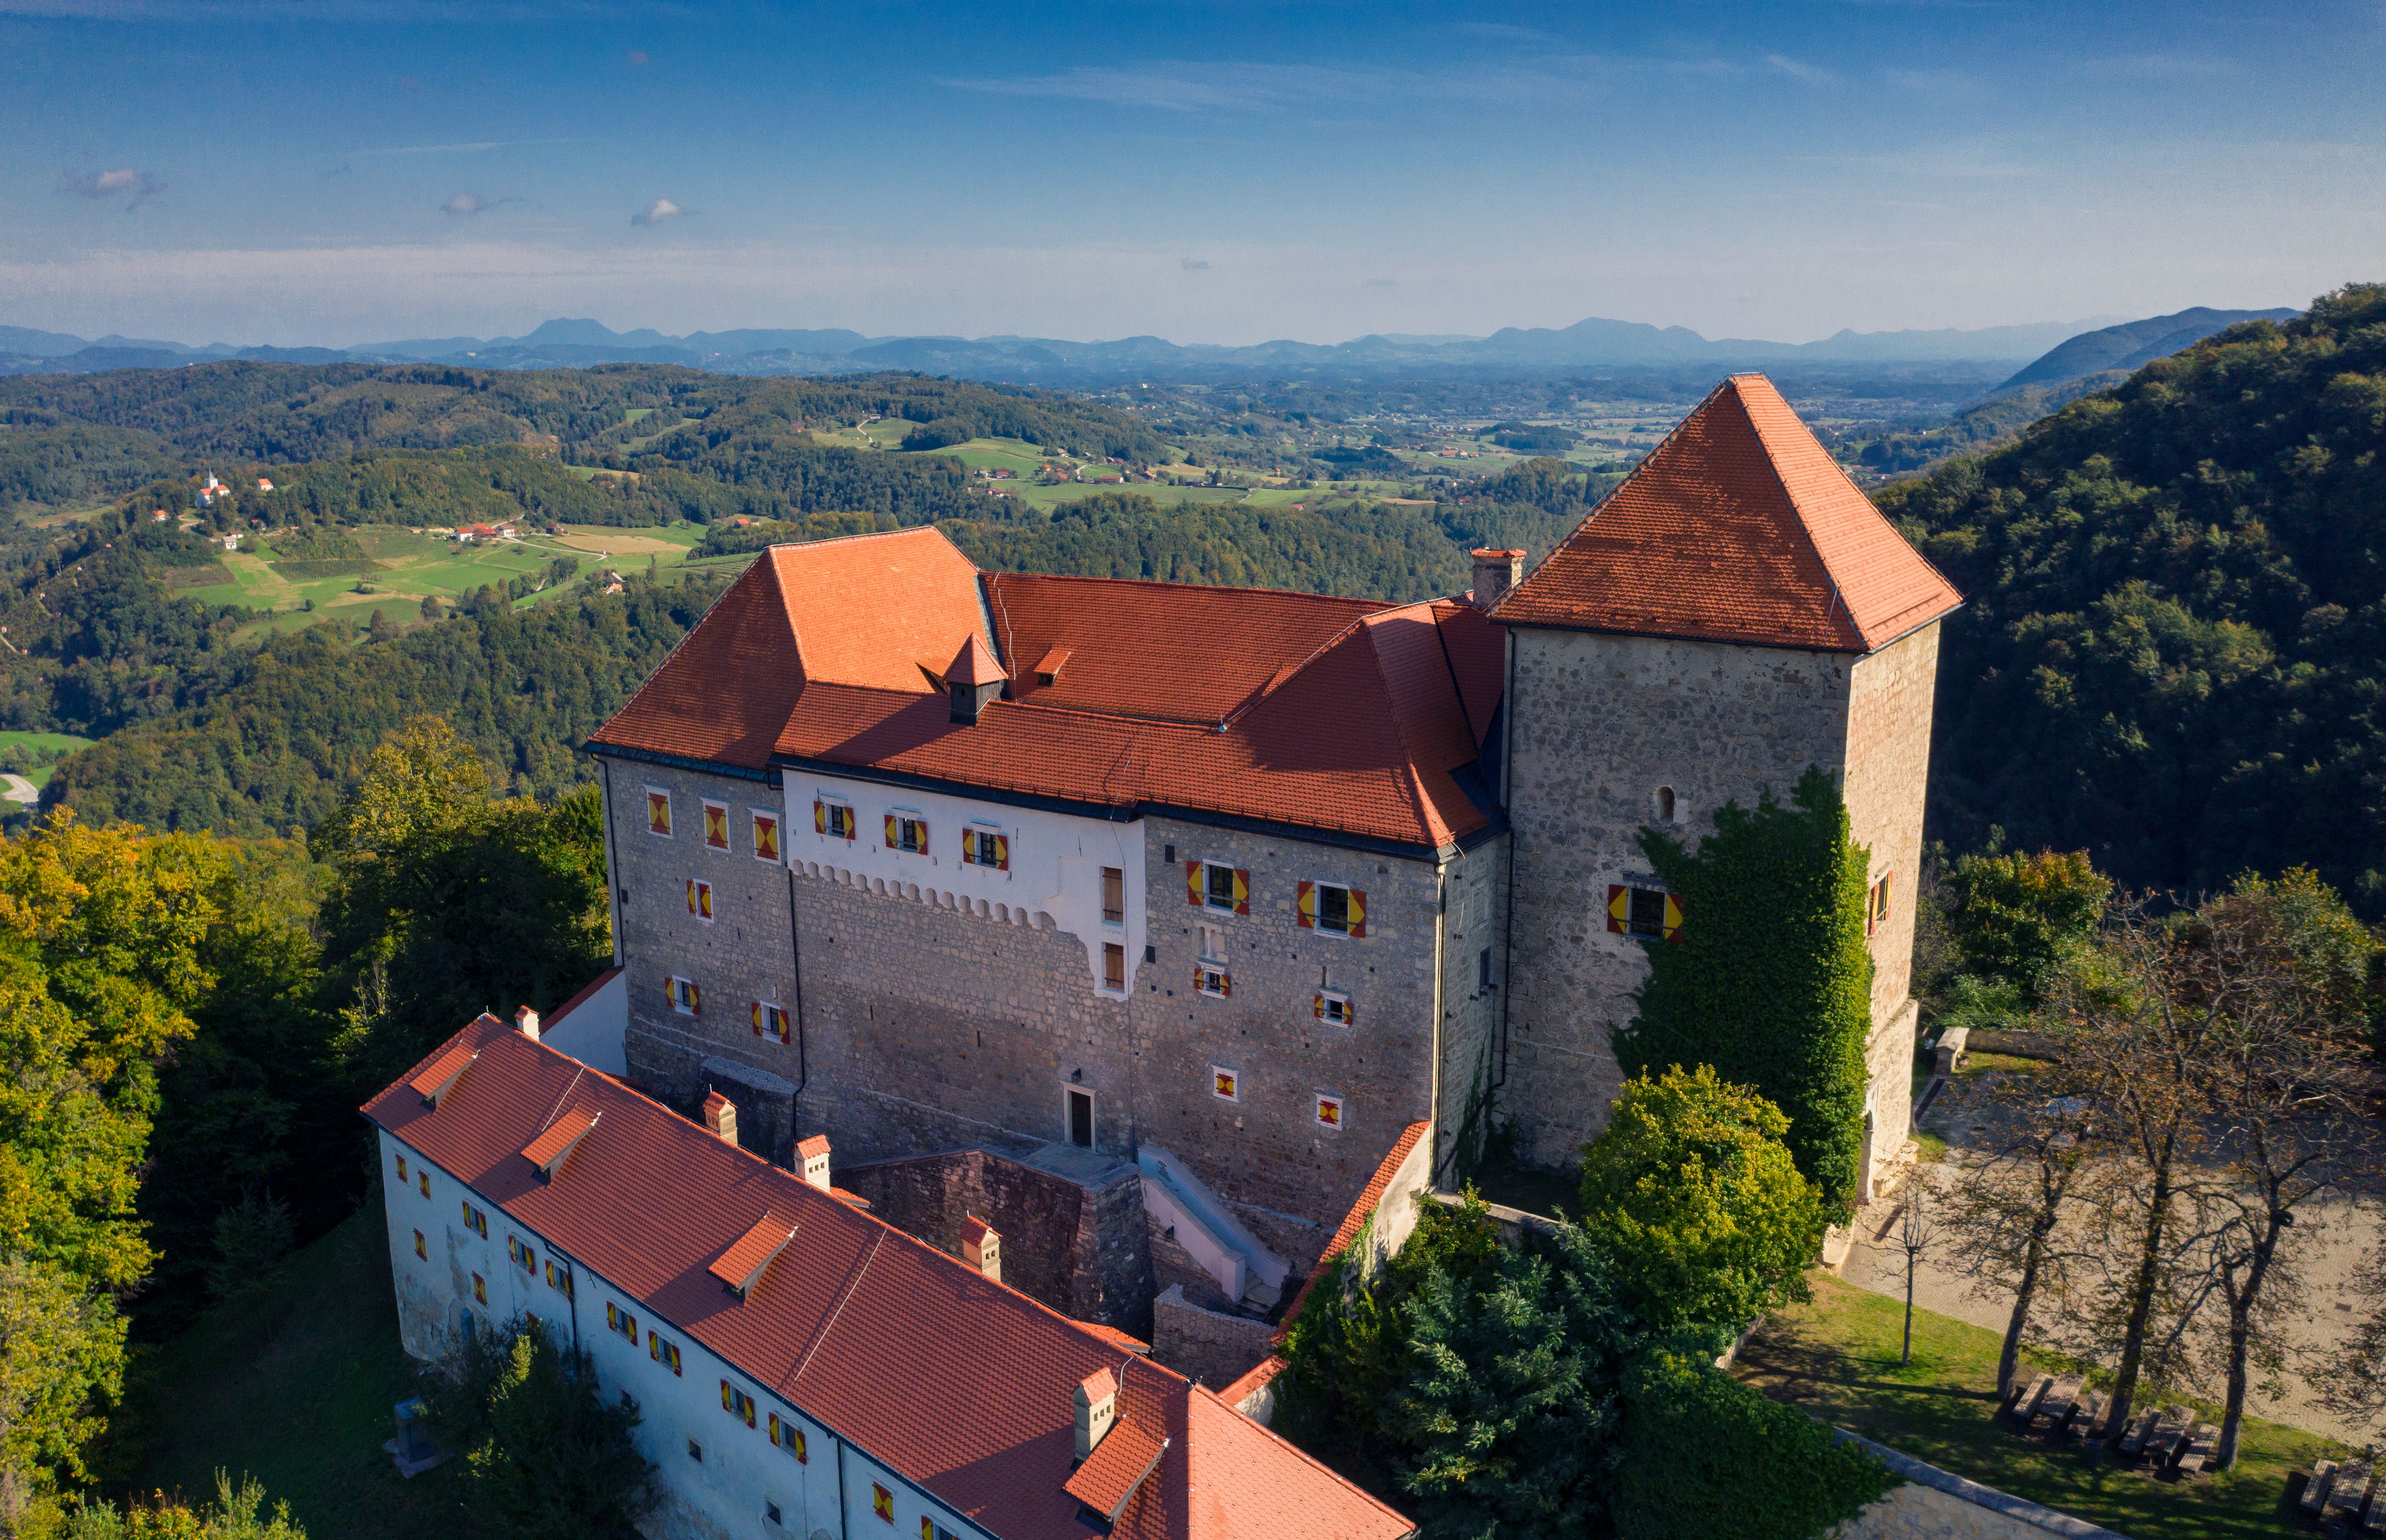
(1207, 1346)
(1072, 1238)
(1938, 1505)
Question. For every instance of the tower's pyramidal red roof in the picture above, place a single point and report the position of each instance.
(1739, 527)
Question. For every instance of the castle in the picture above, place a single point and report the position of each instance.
(1147, 920)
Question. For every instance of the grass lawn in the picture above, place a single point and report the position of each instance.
(1837, 1359)
(55, 741)
(293, 1385)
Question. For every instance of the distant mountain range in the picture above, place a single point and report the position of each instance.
(2131, 344)
(577, 343)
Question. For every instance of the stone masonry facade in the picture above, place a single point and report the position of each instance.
(1604, 725)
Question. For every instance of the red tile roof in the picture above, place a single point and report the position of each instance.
(548, 1149)
(972, 665)
(1356, 1220)
(960, 1383)
(1334, 714)
(1116, 1467)
(1739, 527)
(438, 1076)
(816, 1145)
(741, 1266)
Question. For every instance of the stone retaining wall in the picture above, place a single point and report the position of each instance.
(1207, 1346)
(1938, 1505)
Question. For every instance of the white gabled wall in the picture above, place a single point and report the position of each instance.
(742, 1470)
(1056, 859)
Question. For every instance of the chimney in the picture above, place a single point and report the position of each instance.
(1495, 573)
(721, 1116)
(982, 1246)
(1097, 1404)
(813, 1154)
(527, 1020)
(973, 678)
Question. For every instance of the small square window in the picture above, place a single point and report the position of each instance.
(696, 1451)
(1226, 1084)
(1876, 907)
(986, 847)
(906, 833)
(1332, 908)
(1330, 1110)
(716, 825)
(1223, 888)
(683, 995)
(699, 899)
(833, 818)
(736, 1403)
(659, 819)
(772, 1021)
(766, 836)
(664, 1353)
(882, 1502)
(1645, 914)
(770, 1511)
(1210, 978)
(1334, 1008)
(620, 1321)
(419, 1249)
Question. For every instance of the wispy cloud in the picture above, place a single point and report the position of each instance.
(1933, 83)
(467, 147)
(2161, 67)
(1194, 264)
(1806, 74)
(1186, 86)
(658, 211)
(135, 187)
(466, 204)
(638, 59)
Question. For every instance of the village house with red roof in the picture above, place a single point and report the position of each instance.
(1134, 945)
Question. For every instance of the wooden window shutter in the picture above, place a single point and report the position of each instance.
(766, 837)
(820, 817)
(691, 895)
(924, 835)
(1317, 1007)
(1002, 852)
(1193, 883)
(1242, 891)
(1357, 913)
(1305, 909)
(1673, 917)
(1619, 908)
(658, 812)
(670, 992)
(694, 1000)
(894, 835)
(1225, 985)
(758, 1017)
(725, 1397)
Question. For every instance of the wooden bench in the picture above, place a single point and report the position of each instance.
(2343, 1504)
(2169, 1429)
(2316, 1485)
(2089, 1418)
(2202, 1439)
(2055, 1407)
(2024, 1405)
(2140, 1428)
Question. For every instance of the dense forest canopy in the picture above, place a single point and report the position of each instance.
(2175, 645)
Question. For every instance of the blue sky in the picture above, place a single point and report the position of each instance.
(345, 171)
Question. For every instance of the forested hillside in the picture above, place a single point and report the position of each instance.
(2174, 646)
(66, 438)
(284, 732)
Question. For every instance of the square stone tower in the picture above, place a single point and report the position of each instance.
(1736, 611)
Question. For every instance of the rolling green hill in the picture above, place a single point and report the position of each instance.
(2173, 652)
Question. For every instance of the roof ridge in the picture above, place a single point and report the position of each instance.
(1839, 605)
(1286, 675)
(1205, 587)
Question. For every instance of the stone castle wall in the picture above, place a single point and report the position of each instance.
(1600, 722)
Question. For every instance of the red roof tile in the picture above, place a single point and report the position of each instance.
(438, 1077)
(741, 1266)
(960, 1383)
(1356, 1220)
(816, 1145)
(1739, 527)
(1115, 1469)
(548, 1151)
(972, 664)
(1335, 714)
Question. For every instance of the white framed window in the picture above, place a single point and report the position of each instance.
(659, 811)
(1330, 1110)
(833, 818)
(1215, 886)
(716, 825)
(1224, 1083)
(771, 1021)
(766, 835)
(907, 832)
(1332, 908)
(1334, 1007)
(1212, 979)
(683, 996)
(982, 846)
(1877, 905)
(699, 899)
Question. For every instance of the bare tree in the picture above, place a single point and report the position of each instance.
(2286, 968)
(1914, 1234)
(2006, 1202)
(2137, 1004)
